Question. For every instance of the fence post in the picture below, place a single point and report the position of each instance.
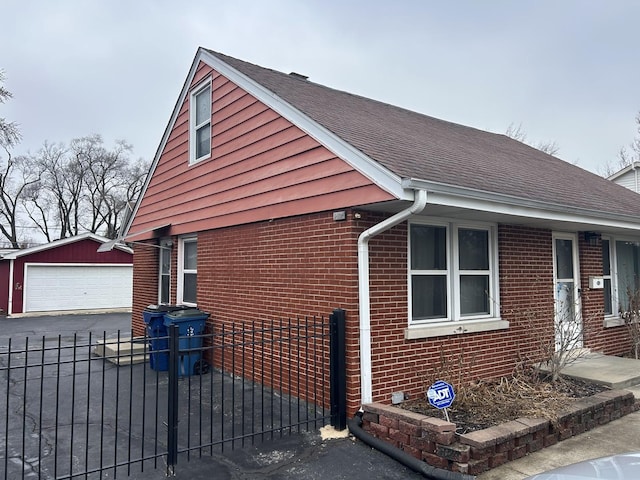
(338, 369)
(172, 401)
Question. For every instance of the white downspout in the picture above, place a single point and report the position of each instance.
(419, 203)
(10, 298)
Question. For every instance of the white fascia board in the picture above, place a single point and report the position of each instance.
(452, 196)
(164, 139)
(55, 244)
(371, 169)
(368, 167)
(628, 168)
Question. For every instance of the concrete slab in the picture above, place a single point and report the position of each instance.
(613, 372)
(126, 352)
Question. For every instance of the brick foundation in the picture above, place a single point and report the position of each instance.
(436, 442)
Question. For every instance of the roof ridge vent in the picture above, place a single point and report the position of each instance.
(299, 76)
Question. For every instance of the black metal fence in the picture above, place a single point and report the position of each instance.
(68, 413)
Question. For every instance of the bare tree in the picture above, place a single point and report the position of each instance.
(517, 133)
(16, 176)
(9, 131)
(111, 182)
(84, 187)
(626, 156)
(49, 202)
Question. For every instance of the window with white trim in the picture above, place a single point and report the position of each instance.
(453, 272)
(621, 275)
(200, 123)
(164, 281)
(187, 271)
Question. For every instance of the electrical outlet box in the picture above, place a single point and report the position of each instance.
(596, 282)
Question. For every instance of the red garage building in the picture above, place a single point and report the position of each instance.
(66, 275)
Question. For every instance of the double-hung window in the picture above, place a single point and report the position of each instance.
(452, 272)
(188, 271)
(200, 124)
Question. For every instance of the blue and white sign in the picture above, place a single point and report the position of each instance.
(441, 394)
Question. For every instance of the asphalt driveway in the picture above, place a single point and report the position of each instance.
(299, 455)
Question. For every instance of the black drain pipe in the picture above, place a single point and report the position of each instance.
(433, 473)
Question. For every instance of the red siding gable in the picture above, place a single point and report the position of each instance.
(262, 167)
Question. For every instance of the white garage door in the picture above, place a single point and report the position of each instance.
(75, 287)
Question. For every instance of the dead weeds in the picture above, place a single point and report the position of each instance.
(486, 403)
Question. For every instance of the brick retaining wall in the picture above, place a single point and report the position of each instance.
(436, 442)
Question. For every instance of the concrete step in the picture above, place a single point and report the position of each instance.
(612, 372)
(126, 352)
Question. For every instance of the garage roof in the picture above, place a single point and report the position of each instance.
(58, 243)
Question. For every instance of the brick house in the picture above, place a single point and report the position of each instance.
(449, 247)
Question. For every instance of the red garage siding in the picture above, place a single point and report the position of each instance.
(81, 252)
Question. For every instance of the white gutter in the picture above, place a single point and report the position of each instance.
(419, 203)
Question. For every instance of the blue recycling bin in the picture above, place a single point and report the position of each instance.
(191, 323)
(157, 332)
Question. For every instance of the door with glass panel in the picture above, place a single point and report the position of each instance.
(568, 319)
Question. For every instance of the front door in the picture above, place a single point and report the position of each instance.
(568, 319)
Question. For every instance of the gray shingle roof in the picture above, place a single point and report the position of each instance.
(413, 145)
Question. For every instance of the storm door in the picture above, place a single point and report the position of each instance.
(568, 318)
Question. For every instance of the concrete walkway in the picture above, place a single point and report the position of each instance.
(619, 436)
(613, 372)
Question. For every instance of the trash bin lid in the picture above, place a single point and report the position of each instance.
(186, 314)
(164, 308)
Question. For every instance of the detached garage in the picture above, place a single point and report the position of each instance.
(66, 275)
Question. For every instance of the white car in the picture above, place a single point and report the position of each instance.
(625, 466)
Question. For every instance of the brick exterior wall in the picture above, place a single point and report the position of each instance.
(307, 266)
(269, 272)
(612, 340)
(526, 301)
(145, 282)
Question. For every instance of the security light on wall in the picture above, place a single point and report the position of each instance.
(592, 238)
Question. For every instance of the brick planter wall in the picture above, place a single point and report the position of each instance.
(436, 442)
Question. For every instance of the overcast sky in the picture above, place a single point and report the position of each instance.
(566, 70)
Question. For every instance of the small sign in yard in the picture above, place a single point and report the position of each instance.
(441, 396)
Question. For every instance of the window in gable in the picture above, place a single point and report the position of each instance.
(452, 272)
(200, 124)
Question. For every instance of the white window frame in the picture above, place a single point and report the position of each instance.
(455, 322)
(165, 248)
(182, 271)
(194, 128)
(614, 319)
(612, 276)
